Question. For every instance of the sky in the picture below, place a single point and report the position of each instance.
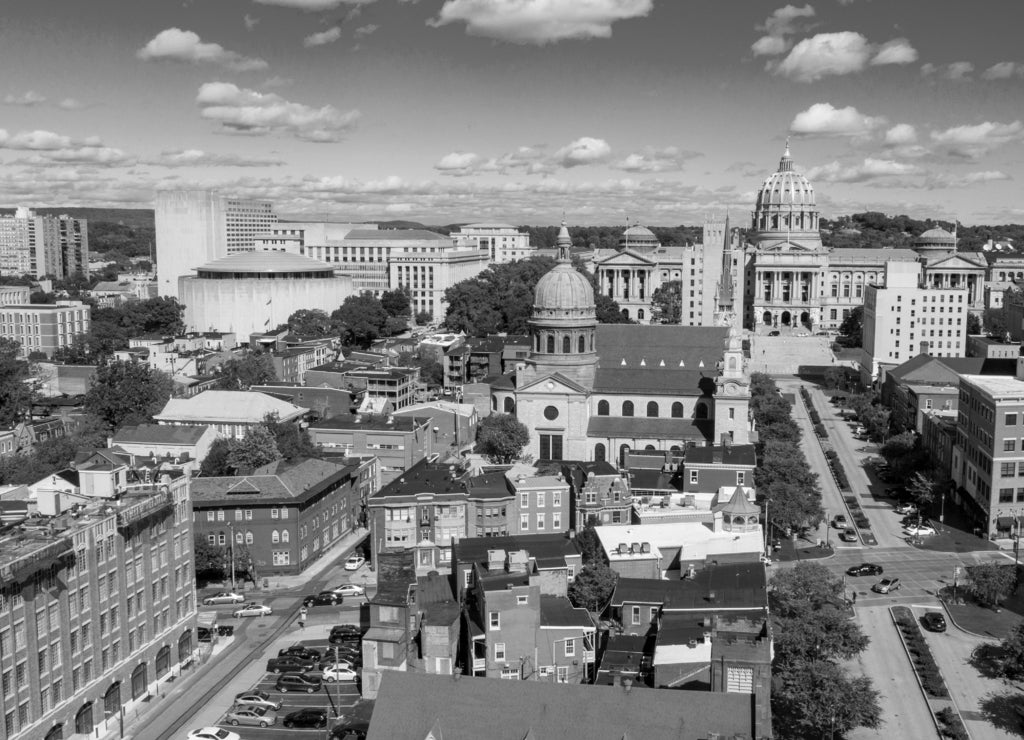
(660, 112)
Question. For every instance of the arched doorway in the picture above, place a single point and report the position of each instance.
(650, 448)
(185, 646)
(625, 313)
(112, 700)
(786, 318)
(163, 661)
(599, 452)
(623, 451)
(805, 319)
(83, 719)
(139, 681)
(767, 318)
(509, 405)
(56, 733)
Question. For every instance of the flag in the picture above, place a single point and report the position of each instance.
(267, 322)
(269, 301)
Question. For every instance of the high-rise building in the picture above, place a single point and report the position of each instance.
(43, 246)
(195, 227)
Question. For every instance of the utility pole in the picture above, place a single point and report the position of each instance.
(231, 544)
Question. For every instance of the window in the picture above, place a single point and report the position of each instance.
(563, 674)
(732, 413)
(602, 408)
(636, 615)
(693, 476)
(556, 521)
(540, 499)
(494, 620)
(740, 478)
(551, 447)
(570, 648)
(654, 614)
(522, 599)
(556, 498)
(274, 513)
(1011, 420)
(284, 535)
(627, 408)
(275, 536)
(540, 522)
(677, 410)
(652, 410)
(499, 651)
(524, 522)
(210, 516)
(220, 515)
(1006, 495)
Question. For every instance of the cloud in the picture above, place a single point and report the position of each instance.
(540, 21)
(583, 151)
(324, 37)
(243, 111)
(972, 178)
(1003, 71)
(841, 53)
(823, 119)
(313, 5)
(185, 46)
(71, 104)
(869, 170)
(957, 71)
(783, 22)
(27, 98)
(900, 135)
(366, 30)
(972, 142)
(458, 164)
(250, 21)
(48, 147)
(199, 158)
(650, 159)
(278, 81)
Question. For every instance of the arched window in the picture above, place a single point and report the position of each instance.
(650, 448)
(625, 313)
(582, 344)
(623, 451)
(551, 344)
(239, 538)
(284, 535)
(248, 537)
(599, 452)
(139, 680)
(566, 345)
(677, 410)
(275, 536)
(602, 408)
(627, 408)
(674, 448)
(640, 314)
(163, 660)
(652, 409)
(536, 343)
(83, 719)
(185, 646)
(509, 405)
(701, 412)
(112, 699)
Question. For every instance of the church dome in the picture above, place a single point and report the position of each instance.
(786, 187)
(564, 291)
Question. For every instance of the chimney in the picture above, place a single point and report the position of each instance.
(495, 560)
(627, 684)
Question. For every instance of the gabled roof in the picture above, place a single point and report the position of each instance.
(293, 483)
(245, 407)
(556, 611)
(927, 369)
(160, 434)
(557, 378)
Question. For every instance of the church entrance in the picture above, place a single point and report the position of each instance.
(786, 318)
(767, 318)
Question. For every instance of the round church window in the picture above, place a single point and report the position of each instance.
(550, 413)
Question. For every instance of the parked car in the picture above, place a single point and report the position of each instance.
(886, 585)
(349, 589)
(354, 562)
(344, 638)
(848, 535)
(290, 664)
(774, 333)
(300, 651)
(906, 509)
(327, 598)
(338, 672)
(225, 597)
(864, 569)
(860, 430)
(920, 531)
(212, 733)
(839, 521)
(251, 716)
(352, 629)
(306, 718)
(352, 730)
(342, 663)
(256, 698)
(253, 610)
(298, 682)
(350, 652)
(934, 622)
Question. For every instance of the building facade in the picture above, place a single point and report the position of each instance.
(399, 442)
(502, 242)
(42, 327)
(43, 246)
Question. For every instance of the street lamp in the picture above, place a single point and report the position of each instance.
(231, 545)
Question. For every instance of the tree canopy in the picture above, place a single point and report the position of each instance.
(593, 586)
(501, 437)
(667, 302)
(257, 448)
(312, 322)
(15, 393)
(123, 393)
(112, 326)
(852, 327)
(820, 699)
(991, 582)
(252, 368)
(362, 319)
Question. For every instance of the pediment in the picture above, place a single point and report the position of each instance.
(626, 258)
(955, 262)
(555, 383)
(786, 246)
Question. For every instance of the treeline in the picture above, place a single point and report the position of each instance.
(875, 230)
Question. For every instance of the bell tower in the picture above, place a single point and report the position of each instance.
(732, 394)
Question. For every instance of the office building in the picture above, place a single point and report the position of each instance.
(194, 227)
(43, 328)
(427, 272)
(502, 242)
(14, 294)
(43, 246)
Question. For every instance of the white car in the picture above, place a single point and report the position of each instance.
(922, 530)
(253, 610)
(354, 562)
(339, 672)
(226, 597)
(212, 733)
(349, 589)
(906, 509)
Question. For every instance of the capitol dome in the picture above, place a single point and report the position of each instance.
(785, 209)
(638, 236)
(564, 292)
(935, 243)
(786, 187)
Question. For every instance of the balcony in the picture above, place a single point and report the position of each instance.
(145, 511)
(34, 558)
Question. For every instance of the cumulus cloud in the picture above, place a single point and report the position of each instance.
(1003, 71)
(957, 71)
(458, 164)
(900, 135)
(250, 21)
(781, 24)
(869, 170)
(314, 5)
(177, 45)
(540, 21)
(972, 142)
(27, 98)
(278, 81)
(841, 53)
(323, 37)
(585, 150)
(71, 104)
(364, 31)
(47, 147)
(655, 160)
(824, 119)
(199, 158)
(243, 111)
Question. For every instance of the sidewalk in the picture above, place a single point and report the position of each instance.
(341, 548)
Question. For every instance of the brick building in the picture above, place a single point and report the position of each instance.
(44, 328)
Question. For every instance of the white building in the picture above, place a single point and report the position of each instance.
(298, 236)
(427, 272)
(37, 245)
(230, 413)
(903, 319)
(503, 242)
(194, 227)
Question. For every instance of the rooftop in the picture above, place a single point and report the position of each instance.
(395, 235)
(997, 386)
(266, 262)
(557, 611)
(539, 547)
(424, 478)
(244, 407)
(160, 434)
(291, 483)
(716, 587)
(721, 455)
(374, 422)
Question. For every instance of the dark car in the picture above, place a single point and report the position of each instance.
(325, 598)
(298, 682)
(344, 638)
(864, 569)
(286, 663)
(934, 622)
(352, 629)
(353, 730)
(306, 718)
(300, 651)
(774, 333)
(351, 654)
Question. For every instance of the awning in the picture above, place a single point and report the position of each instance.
(1009, 522)
(384, 634)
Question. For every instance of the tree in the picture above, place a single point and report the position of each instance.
(922, 488)
(312, 322)
(362, 319)
(424, 317)
(254, 450)
(292, 442)
(667, 302)
(794, 506)
(823, 634)
(852, 327)
(994, 320)
(253, 368)
(589, 544)
(836, 377)
(124, 393)
(396, 302)
(820, 699)
(973, 324)
(593, 585)
(501, 437)
(803, 589)
(15, 394)
(904, 454)
(1013, 653)
(431, 371)
(991, 583)
(209, 559)
(216, 463)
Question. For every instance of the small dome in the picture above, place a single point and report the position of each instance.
(936, 235)
(638, 236)
(564, 289)
(266, 262)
